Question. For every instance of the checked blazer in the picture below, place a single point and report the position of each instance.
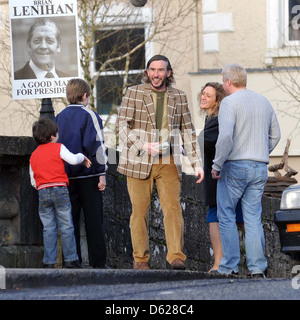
(136, 125)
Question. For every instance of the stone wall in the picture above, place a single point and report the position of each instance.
(20, 229)
(117, 208)
(21, 232)
(197, 247)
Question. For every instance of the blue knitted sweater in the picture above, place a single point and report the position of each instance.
(81, 130)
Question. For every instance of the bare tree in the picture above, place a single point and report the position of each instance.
(100, 21)
(96, 18)
(287, 77)
(285, 68)
(24, 110)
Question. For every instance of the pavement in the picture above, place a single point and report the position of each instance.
(147, 285)
(37, 278)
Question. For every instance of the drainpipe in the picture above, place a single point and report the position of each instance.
(196, 38)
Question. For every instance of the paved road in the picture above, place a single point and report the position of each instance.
(141, 294)
(204, 289)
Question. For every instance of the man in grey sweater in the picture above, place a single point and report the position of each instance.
(248, 132)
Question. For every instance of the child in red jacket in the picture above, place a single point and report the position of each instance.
(48, 176)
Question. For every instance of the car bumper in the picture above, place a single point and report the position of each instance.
(288, 223)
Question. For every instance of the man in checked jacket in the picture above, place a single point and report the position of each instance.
(152, 120)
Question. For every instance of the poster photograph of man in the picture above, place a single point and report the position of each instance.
(44, 49)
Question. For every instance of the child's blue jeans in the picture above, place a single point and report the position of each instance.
(55, 213)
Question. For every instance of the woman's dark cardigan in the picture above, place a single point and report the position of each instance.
(211, 132)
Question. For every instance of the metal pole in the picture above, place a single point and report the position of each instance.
(47, 110)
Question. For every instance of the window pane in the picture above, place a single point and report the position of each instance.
(114, 43)
(294, 20)
(109, 91)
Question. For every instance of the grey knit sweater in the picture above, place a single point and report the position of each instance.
(248, 128)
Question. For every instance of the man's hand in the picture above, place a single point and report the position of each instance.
(199, 173)
(215, 174)
(149, 147)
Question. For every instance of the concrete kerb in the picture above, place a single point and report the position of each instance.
(34, 278)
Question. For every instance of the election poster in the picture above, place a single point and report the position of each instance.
(44, 47)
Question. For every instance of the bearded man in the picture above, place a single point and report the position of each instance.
(152, 118)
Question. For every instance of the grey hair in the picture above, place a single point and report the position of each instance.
(236, 74)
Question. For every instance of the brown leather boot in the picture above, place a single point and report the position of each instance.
(140, 265)
(177, 264)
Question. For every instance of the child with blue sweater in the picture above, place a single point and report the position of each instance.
(81, 130)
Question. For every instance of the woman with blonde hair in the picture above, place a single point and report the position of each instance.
(210, 98)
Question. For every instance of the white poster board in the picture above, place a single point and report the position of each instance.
(44, 37)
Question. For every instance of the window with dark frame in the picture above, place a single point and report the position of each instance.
(294, 20)
(111, 44)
